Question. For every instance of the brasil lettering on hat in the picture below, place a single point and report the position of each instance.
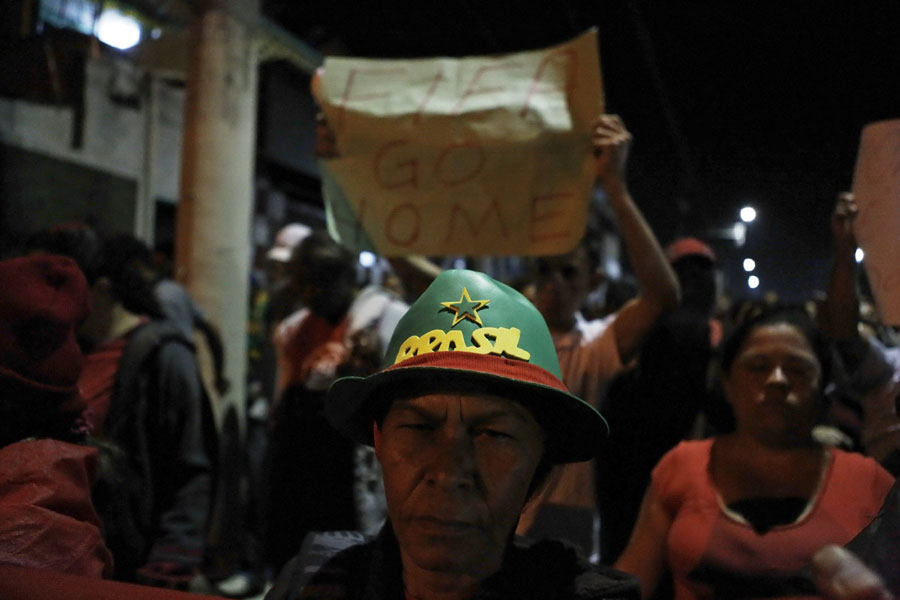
(485, 340)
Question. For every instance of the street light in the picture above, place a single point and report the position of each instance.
(736, 231)
(748, 214)
(859, 255)
(749, 264)
(367, 259)
(118, 30)
(753, 282)
(739, 233)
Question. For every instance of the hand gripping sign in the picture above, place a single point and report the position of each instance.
(876, 188)
(487, 155)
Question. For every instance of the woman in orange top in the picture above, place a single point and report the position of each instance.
(738, 514)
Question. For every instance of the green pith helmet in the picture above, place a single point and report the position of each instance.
(470, 331)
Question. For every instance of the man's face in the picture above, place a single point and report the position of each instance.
(457, 468)
(562, 282)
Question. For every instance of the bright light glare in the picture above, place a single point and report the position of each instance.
(749, 264)
(739, 232)
(859, 255)
(118, 30)
(366, 259)
(753, 282)
(748, 214)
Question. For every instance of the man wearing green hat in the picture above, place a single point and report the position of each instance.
(468, 415)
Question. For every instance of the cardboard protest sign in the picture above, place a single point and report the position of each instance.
(876, 186)
(486, 155)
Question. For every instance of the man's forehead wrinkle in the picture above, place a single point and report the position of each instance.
(508, 409)
(415, 405)
(485, 408)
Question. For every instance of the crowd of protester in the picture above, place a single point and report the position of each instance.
(743, 439)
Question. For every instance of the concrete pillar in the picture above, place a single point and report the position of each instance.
(216, 197)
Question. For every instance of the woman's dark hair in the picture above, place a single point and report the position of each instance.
(125, 262)
(794, 316)
(121, 258)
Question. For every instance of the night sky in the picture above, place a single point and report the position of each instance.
(730, 103)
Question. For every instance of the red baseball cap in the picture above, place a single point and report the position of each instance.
(43, 300)
(688, 246)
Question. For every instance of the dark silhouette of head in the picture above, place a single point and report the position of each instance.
(324, 273)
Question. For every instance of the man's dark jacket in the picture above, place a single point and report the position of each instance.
(371, 570)
(160, 417)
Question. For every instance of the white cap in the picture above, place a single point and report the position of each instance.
(287, 239)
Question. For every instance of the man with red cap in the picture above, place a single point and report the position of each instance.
(46, 475)
(662, 392)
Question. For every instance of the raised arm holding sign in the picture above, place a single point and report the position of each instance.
(480, 155)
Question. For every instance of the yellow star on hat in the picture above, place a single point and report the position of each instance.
(466, 308)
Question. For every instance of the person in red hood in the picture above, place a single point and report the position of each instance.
(46, 472)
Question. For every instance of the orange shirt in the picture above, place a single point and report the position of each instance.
(712, 553)
(298, 338)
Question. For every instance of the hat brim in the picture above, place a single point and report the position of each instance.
(575, 431)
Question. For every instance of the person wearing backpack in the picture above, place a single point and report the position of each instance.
(143, 392)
